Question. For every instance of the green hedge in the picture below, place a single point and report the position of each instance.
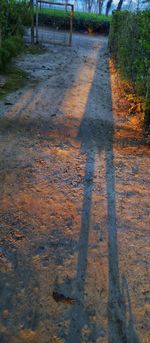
(14, 15)
(10, 48)
(129, 42)
(82, 22)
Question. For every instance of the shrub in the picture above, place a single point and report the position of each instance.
(10, 48)
(14, 15)
(129, 42)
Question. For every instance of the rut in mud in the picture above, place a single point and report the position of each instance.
(74, 204)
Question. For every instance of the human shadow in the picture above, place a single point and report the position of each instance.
(96, 135)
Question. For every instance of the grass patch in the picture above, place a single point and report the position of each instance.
(77, 15)
(35, 50)
(10, 48)
(15, 79)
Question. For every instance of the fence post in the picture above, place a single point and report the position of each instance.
(37, 24)
(0, 37)
(71, 25)
(0, 44)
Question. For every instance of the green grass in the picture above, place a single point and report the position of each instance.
(10, 48)
(77, 15)
(35, 50)
(15, 79)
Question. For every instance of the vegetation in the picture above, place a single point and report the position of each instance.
(14, 15)
(82, 21)
(107, 6)
(129, 43)
(15, 79)
(10, 48)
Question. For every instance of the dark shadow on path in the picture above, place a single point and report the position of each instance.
(96, 134)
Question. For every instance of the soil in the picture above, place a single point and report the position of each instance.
(75, 188)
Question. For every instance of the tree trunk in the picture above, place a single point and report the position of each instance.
(119, 6)
(100, 5)
(89, 3)
(108, 6)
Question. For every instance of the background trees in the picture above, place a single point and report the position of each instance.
(107, 6)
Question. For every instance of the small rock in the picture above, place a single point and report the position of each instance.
(5, 314)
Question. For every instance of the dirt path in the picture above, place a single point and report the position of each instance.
(74, 204)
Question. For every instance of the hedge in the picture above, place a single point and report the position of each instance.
(129, 42)
(82, 22)
(10, 48)
(14, 15)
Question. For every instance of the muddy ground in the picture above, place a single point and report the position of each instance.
(74, 190)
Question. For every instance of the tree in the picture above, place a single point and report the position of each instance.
(89, 5)
(108, 6)
(119, 6)
(100, 5)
